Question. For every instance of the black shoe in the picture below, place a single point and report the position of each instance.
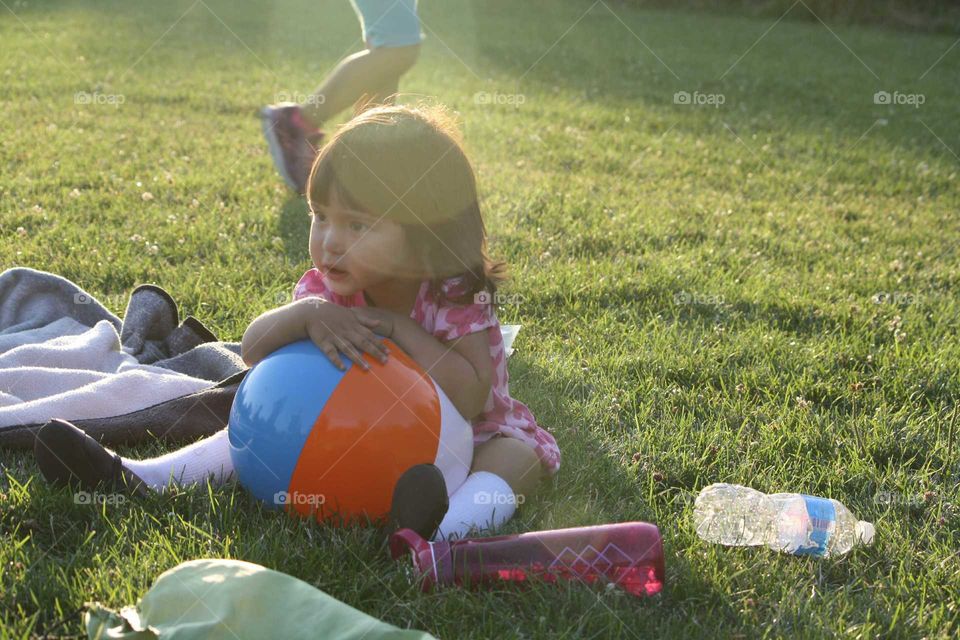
(66, 456)
(419, 501)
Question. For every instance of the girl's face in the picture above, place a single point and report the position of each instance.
(356, 250)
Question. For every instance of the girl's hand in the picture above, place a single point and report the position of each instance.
(337, 329)
(381, 320)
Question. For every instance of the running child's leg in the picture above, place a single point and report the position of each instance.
(374, 74)
(293, 132)
(391, 31)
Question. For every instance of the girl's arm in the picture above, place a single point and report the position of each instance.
(461, 367)
(272, 330)
(334, 329)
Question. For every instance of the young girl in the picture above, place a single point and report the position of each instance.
(398, 246)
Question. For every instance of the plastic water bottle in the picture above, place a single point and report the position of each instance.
(626, 554)
(734, 515)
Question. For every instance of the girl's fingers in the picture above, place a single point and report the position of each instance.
(373, 345)
(331, 352)
(355, 355)
(366, 340)
(374, 348)
(358, 358)
(352, 346)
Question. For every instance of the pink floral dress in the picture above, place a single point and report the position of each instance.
(445, 320)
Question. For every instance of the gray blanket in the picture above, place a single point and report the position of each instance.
(46, 317)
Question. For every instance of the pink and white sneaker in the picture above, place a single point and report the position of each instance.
(293, 143)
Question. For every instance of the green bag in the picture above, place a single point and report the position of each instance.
(213, 599)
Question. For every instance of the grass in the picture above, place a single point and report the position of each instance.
(698, 288)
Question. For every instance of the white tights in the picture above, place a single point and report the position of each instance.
(190, 465)
(484, 500)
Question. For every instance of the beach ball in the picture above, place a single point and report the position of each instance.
(312, 439)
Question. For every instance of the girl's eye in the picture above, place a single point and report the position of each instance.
(357, 226)
(319, 217)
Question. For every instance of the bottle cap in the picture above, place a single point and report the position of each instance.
(865, 532)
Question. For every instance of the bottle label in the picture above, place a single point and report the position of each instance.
(823, 517)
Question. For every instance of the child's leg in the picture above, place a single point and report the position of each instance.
(385, 94)
(374, 73)
(504, 472)
(391, 31)
(67, 455)
(190, 465)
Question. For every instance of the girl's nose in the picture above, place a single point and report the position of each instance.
(333, 242)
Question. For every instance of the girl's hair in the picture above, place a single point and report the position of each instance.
(407, 164)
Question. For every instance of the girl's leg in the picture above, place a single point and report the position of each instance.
(190, 465)
(367, 73)
(67, 455)
(512, 460)
(504, 472)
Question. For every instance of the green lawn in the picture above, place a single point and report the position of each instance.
(698, 286)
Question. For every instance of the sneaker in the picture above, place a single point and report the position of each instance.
(419, 501)
(293, 143)
(68, 456)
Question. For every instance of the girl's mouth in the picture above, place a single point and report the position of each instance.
(336, 274)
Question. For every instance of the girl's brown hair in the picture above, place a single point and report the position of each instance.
(408, 165)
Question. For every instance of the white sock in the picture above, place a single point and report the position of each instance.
(190, 465)
(484, 500)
